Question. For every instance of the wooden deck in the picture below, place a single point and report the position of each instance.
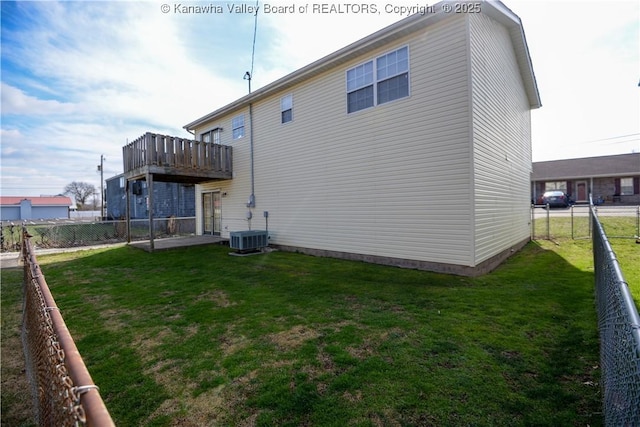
(178, 242)
(174, 159)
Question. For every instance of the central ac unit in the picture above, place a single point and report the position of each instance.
(249, 240)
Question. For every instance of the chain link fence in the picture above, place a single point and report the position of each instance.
(619, 327)
(68, 233)
(575, 222)
(62, 389)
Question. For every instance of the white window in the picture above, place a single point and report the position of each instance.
(626, 186)
(237, 126)
(360, 87)
(391, 77)
(286, 109)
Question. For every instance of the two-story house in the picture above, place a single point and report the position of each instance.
(409, 147)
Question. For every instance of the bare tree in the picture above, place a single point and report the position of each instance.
(81, 191)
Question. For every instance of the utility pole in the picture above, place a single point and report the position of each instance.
(101, 170)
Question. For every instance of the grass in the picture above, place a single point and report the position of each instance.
(628, 254)
(621, 231)
(196, 337)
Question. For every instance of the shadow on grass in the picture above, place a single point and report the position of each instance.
(193, 337)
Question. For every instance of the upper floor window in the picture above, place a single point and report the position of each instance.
(286, 109)
(211, 136)
(388, 80)
(360, 87)
(237, 126)
(393, 75)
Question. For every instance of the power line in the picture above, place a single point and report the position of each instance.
(249, 74)
(255, 32)
(614, 137)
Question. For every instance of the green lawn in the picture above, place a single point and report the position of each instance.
(196, 337)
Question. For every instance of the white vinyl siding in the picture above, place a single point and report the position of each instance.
(392, 181)
(238, 189)
(396, 180)
(501, 141)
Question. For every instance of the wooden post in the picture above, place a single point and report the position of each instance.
(150, 199)
(170, 152)
(128, 208)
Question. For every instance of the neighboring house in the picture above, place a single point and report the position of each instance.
(34, 208)
(613, 179)
(410, 147)
(171, 199)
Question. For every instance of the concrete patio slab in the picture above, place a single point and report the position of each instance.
(178, 242)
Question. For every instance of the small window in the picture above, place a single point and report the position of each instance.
(122, 180)
(286, 109)
(626, 186)
(237, 125)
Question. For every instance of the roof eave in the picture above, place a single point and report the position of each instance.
(370, 42)
(495, 9)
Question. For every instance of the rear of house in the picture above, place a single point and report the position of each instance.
(410, 147)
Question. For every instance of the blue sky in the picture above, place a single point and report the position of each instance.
(79, 79)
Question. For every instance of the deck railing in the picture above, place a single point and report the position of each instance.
(179, 153)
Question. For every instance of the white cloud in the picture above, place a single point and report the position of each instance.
(93, 74)
(109, 72)
(15, 101)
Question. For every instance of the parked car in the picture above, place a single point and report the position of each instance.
(556, 198)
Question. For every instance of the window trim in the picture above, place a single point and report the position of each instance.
(376, 80)
(284, 110)
(365, 85)
(390, 77)
(235, 127)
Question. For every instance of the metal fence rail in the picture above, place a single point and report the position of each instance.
(63, 392)
(575, 222)
(67, 233)
(619, 326)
